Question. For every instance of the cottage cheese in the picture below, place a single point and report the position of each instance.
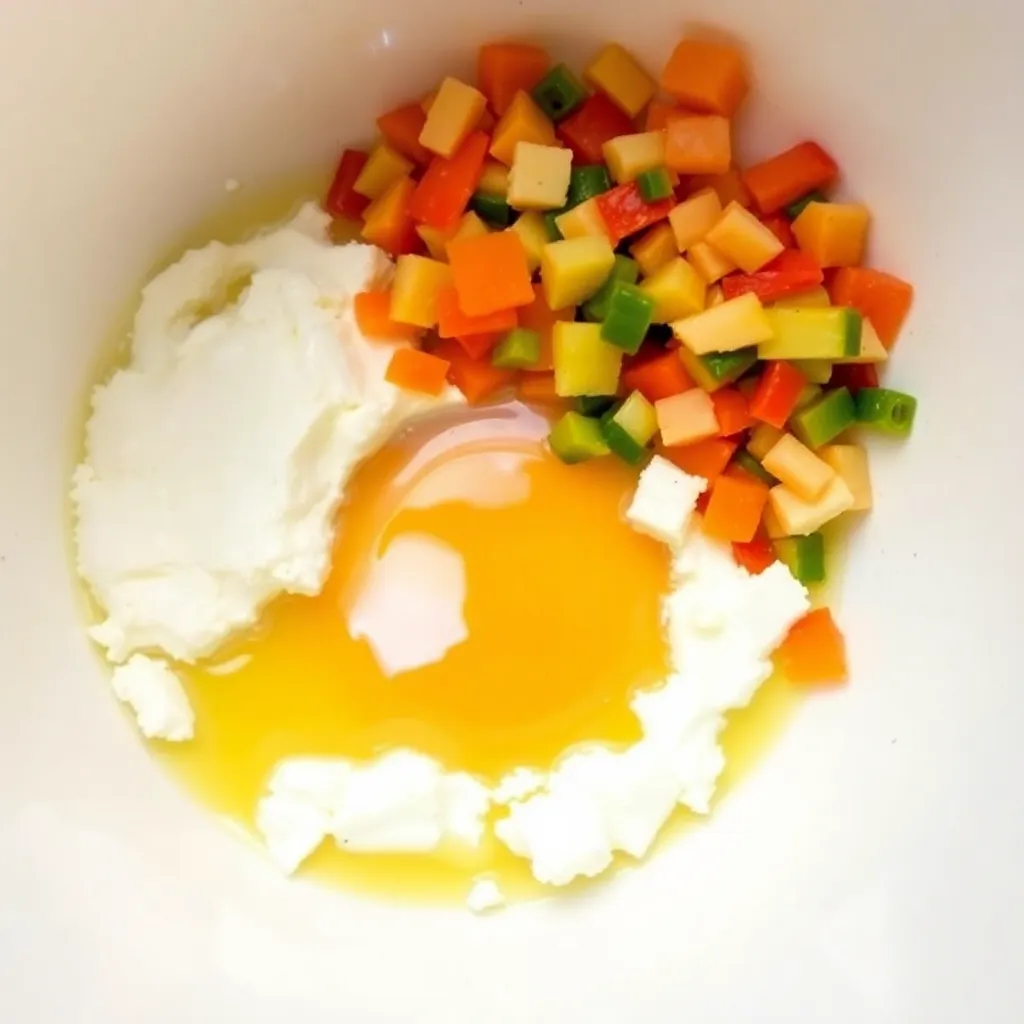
(485, 895)
(156, 695)
(216, 460)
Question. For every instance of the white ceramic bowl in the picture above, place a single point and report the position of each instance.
(868, 871)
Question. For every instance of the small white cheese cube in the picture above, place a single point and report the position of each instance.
(156, 696)
(664, 500)
(539, 179)
(485, 895)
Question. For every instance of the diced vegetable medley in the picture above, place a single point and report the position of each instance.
(588, 240)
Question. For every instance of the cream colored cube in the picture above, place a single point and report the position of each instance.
(739, 235)
(539, 179)
(583, 221)
(737, 323)
(686, 418)
(795, 465)
(453, 115)
(693, 219)
(677, 289)
(621, 79)
(871, 348)
(798, 517)
(656, 249)
(629, 155)
(709, 262)
(850, 461)
(533, 233)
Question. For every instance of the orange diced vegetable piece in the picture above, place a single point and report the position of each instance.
(373, 316)
(729, 186)
(814, 651)
(777, 394)
(445, 189)
(658, 112)
(833, 233)
(698, 144)
(735, 508)
(477, 346)
(705, 458)
(659, 377)
(401, 129)
(417, 371)
(477, 379)
(491, 273)
(503, 69)
(754, 555)
(538, 387)
(388, 220)
(540, 317)
(453, 323)
(706, 76)
(790, 175)
(881, 298)
(731, 411)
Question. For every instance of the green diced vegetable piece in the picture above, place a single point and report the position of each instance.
(595, 309)
(811, 393)
(654, 184)
(884, 409)
(575, 438)
(717, 369)
(798, 206)
(550, 222)
(629, 429)
(491, 208)
(518, 350)
(585, 364)
(629, 317)
(817, 371)
(586, 182)
(595, 405)
(750, 465)
(805, 556)
(825, 418)
(559, 93)
(829, 333)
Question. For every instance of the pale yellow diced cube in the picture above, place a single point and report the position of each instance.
(737, 323)
(383, 168)
(772, 527)
(686, 418)
(539, 179)
(533, 233)
(453, 115)
(629, 155)
(795, 465)
(435, 240)
(871, 348)
(494, 179)
(739, 235)
(414, 290)
(573, 269)
(816, 298)
(850, 461)
(470, 226)
(583, 221)
(709, 262)
(621, 79)
(655, 249)
(715, 297)
(677, 289)
(798, 517)
(763, 439)
(693, 219)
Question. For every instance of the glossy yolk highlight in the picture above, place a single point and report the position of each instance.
(487, 605)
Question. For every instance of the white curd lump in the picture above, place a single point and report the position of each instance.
(216, 460)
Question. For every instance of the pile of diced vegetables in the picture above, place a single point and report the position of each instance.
(593, 243)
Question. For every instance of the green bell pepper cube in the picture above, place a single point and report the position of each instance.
(717, 369)
(654, 184)
(595, 309)
(804, 556)
(890, 411)
(628, 429)
(575, 438)
(825, 419)
(595, 405)
(559, 93)
(491, 208)
(628, 318)
(586, 182)
(799, 205)
(518, 350)
(750, 465)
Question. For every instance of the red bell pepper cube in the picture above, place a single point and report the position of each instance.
(791, 273)
(448, 184)
(778, 225)
(754, 555)
(596, 122)
(777, 393)
(625, 212)
(341, 200)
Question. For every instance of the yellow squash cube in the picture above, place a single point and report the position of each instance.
(539, 179)
(850, 461)
(795, 465)
(435, 240)
(453, 115)
(629, 155)
(381, 171)
(494, 180)
(524, 121)
(763, 439)
(715, 296)
(833, 233)
(585, 364)
(654, 250)
(871, 348)
(798, 517)
(693, 219)
(414, 290)
(573, 269)
(816, 298)
(677, 289)
(737, 323)
(621, 79)
(583, 221)
(533, 233)
(709, 262)
(739, 235)
(470, 226)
